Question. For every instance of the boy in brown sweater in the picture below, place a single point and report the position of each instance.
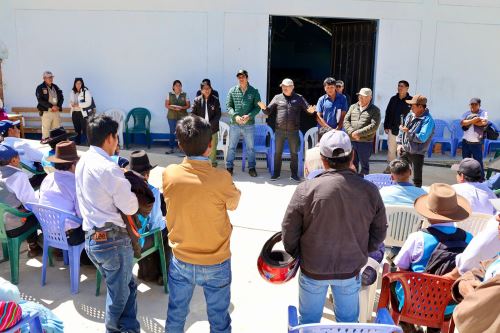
(197, 198)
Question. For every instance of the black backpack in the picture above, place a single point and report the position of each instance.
(442, 259)
(490, 132)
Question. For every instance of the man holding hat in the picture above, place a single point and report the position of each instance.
(288, 107)
(56, 135)
(415, 136)
(326, 228)
(361, 123)
(50, 100)
(473, 123)
(242, 107)
(16, 192)
(471, 186)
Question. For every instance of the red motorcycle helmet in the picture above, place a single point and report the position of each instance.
(276, 266)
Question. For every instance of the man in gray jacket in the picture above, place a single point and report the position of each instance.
(361, 123)
(326, 228)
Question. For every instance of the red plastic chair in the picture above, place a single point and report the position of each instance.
(425, 299)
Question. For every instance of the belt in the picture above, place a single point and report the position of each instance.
(471, 143)
(108, 231)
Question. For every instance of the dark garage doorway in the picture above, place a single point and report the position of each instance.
(309, 49)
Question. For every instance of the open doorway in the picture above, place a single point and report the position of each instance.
(309, 49)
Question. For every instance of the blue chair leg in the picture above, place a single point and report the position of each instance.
(65, 258)
(74, 266)
(45, 262)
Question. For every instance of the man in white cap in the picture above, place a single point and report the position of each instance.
(326, 228)
(50, 100)
(288, 107)
(361, 123)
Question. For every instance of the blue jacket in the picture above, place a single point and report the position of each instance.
(419, 136)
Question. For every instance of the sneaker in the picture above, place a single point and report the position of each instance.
(275, 177)
(295, 178)
(252, 172)
(230, 170)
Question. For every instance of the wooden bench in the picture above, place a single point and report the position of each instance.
(32, 122)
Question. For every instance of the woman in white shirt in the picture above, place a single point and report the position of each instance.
(81, 104)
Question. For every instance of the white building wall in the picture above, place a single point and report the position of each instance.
(129, 52)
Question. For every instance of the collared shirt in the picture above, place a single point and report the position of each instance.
(478, 195)
(19, 184)
(331, 110)
(402, 193)
(58, 190)
(472, 134)
(102, 190)
(31, 154)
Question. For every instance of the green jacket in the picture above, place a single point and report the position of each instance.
(239, 104)
(365, 122)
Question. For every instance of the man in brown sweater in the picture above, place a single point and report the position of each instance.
(197, 198)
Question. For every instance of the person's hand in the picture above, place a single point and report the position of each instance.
(400, 150)
(261, 105)
(466, 287)
(75, 105)
(311, 109)
(54, 108)
(387, 131)
(482, 122)
(238, 119)
(355, 135)
(404, 129)
(245, 118)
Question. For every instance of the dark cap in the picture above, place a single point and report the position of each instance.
(139, 161)
(242, 72)
(6, 124)
(7, 153)
(469, 167)
(475, 100)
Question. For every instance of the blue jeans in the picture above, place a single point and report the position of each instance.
(312, 294)
(363, 152)
(474, 150)
(171, 125)
(114, 259)
(216, 283)
(234, 138)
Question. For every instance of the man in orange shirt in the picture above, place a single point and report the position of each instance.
(198, 197)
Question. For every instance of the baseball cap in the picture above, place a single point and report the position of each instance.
(418, 99)
(242, 72)
(47, 74)
(340, 83)
(475, 100)
(286, 82)
(334, 144)
(6, 124)
(365, 92)
(468, 167)
(7, 153)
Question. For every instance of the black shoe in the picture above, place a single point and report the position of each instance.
(230, 170)
(252, 172)
(295, 178)
(275, 177)
(170, 151)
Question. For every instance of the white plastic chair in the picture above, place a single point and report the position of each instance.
(402, 221)
(119, 116)
(367, 293)
(223, 133)
(380, 137)
(477, 222)
(312, 136)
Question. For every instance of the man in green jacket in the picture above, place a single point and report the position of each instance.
(361, 123)
(242, 107)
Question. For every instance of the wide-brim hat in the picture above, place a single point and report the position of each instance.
(139, 162)
(57, 135)
(442, 203)
(65, 153)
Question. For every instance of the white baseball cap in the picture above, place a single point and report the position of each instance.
(286, 82)
(365, 92)
(334, 140)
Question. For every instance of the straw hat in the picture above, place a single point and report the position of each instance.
(443, 204)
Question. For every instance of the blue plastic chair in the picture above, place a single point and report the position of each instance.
(384, 324)
(491, 145)
(456, 135)
(261, 146)
(379, 179)
(32, 319)
(52, 221)
(439, 136)
(315, 173)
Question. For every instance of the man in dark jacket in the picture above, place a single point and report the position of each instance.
(207, 106)
(396, 111)
(50, 100)
(326, 228)
(288, 107)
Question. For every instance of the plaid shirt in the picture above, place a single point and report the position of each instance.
(240, 104)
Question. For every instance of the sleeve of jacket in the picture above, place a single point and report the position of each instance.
(87, 102)
(374, 122)
(120, 189)
(60, 97)
(256, 109)
(218, 112)
(399, 138)
(378, 227)
(470, 277)
(230, 105)
(388, 115)
(425, 132)
(347, 121)
(291, 227)
(230, 192)
(271, 107)
(42, 103)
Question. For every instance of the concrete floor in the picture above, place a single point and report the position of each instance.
(256, 306)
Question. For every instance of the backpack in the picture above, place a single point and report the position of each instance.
(490, 132)
(442, 259)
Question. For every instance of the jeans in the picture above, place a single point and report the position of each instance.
(312, 294)
(213, 153)
(474, 150)
(363, 152)
(417, 163)
(216, 283)
(293, 142)
(114, 260)
(171, 125)
(234, 139)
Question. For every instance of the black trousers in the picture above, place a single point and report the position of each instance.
(417, 163)
(293, 142)
(31, 221)
(80, 124)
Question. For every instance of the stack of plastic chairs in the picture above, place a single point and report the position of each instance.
(223, 134)
(456, 136)
(440, 136)
(311, 138)
(263, 144)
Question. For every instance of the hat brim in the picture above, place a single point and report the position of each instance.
(59, 138)
(147, 168)
(55, 159)
(411, 102)
(360, 94)
(461, 213)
